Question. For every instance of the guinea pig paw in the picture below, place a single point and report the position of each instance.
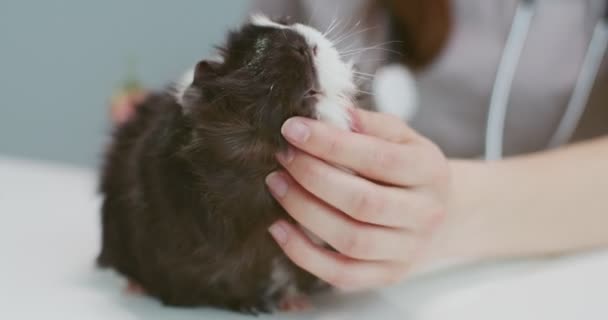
(134, 288)
(255, 310)
(294, 303)
(263, 306)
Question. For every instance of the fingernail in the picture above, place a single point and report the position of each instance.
(296, 130)
(286, 157)
(277, 184)
(278, 232)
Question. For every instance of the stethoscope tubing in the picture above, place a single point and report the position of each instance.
(499, 101)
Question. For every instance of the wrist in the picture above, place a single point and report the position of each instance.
(536, 205)
(457, 241)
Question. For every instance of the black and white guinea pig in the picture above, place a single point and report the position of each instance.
(186, 210)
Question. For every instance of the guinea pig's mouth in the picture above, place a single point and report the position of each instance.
(313, 93)
(310, 102)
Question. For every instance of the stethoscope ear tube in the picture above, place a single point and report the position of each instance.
(584, 85)
(504, 79)
(506, 73)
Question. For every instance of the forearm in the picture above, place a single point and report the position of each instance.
(547, 203)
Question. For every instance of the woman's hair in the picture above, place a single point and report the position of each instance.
(422, 28)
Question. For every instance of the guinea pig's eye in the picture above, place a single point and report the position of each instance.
(315, 50)
(302, 51)
(286, 21)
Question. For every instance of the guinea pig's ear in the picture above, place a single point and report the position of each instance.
(206, 70)
(196, 93)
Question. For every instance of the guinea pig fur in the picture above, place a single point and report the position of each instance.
(185, 208)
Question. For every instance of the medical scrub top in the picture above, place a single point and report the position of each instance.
(454, 92)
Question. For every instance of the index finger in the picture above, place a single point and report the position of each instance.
(371, 157)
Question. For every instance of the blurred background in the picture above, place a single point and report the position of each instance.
(61, 61)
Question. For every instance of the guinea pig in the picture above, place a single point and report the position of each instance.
(185, 208)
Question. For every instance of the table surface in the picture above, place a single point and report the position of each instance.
(49, 236)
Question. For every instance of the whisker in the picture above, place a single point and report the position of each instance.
(356, 52)
(379, 45)
(352, 34)
(363, 73)
(362, 80)
(389, 42)
(359, 74)
(344, 29)
(353, 27)
(313, 14)
(351, 46)
(368, 60)
(328, 30)
(333, 20)
(344, 32)
(366, 48)
(333, 27)
(366, 92)
(360, 77)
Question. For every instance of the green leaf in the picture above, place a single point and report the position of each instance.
(131, 82)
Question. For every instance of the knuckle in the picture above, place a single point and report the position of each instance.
(310, 169)
(289, 246)
(386, 158)
(366, 205)
(356, 246)
(333, 146)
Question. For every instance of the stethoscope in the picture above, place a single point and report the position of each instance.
(506, 72)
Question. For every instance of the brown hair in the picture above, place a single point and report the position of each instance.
(422, 27)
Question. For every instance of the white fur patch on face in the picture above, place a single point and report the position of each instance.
(336, 78)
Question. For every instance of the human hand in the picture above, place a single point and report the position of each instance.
(378, 219)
